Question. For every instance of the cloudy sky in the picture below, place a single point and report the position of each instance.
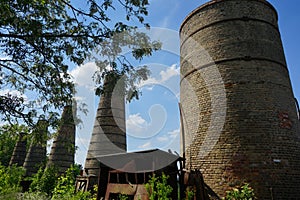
(153, 121)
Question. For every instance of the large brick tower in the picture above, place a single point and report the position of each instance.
(240, 119)
(36, 155)
(19, 153)
(109, 132)
(63, 148)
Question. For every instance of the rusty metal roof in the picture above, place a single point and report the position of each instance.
(139, 162)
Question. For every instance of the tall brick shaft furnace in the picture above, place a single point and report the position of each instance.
(239, 114)
(109, 132)
(63, 148)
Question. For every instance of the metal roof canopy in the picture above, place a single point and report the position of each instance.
(140, 161)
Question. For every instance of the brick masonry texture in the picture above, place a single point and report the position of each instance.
(36, 155)
(63, 147)
(234, 76)
(108, 136)
(19, 153)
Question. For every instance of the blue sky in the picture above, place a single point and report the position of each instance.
(153, 121)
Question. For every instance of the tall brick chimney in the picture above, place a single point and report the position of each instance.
(109, 132)
(63, 148)
(19, 153)
(36, 155)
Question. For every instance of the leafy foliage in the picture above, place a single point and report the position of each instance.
(50, 185)
(41, 39)
(46, 184)
(158, 188)
(10, 178)
(189, 194)
(33, 196)
(65, 186)
(123, 197)
(245, 192)
(8, 138)
(44, 180)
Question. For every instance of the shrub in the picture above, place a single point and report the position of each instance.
(50, 185)
(123, 197)
(189, 193)
(33, 196)
(10, 178)
(158, 188)
(245, 192)
(44, 180)
(65, 186)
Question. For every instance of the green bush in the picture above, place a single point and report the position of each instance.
(189, 193)
(66, 183)
(33, 196)
(45, 184)
(123, 197)
(158, 188)
(245, 192)
(44, 180)
(65, 186)
(10, 178)
(51, 185)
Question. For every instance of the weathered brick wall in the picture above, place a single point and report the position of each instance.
(108, 136)
(240, 117)
(19, 153)
(36, 155)
(63, 148)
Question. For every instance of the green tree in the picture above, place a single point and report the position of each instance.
(8, 138)
(41, 39)
(10, 178)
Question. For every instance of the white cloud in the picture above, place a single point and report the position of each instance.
(173, 134)
(145, 145)
(149, 82)
(139, 127)
(164, 76)
(135, 123)
(85, 85)
(4, 57)
(162, 139)
(13, 93)
(169, 73)
(83, 75)
(80, 98)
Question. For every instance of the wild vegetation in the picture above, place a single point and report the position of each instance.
(42, 40)
(245, 192)
(48, 185)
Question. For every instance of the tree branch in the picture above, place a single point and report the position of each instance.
(49, 35)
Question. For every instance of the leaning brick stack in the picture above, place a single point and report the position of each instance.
(243, 125)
